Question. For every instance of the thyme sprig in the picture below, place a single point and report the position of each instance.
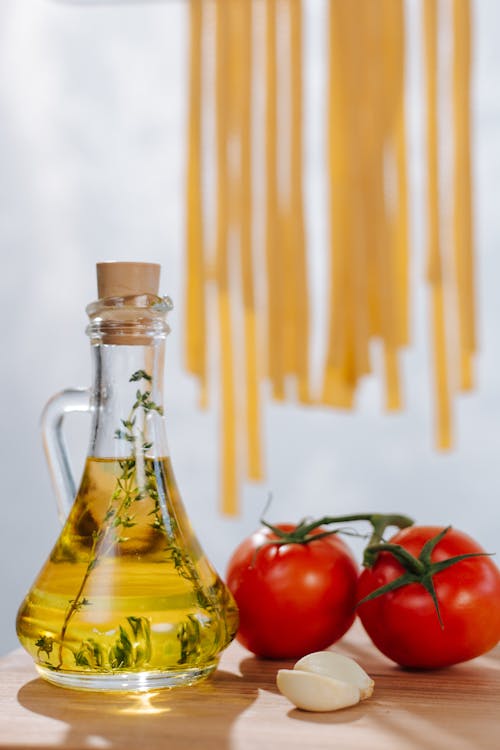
(132, 648)
(119, 515)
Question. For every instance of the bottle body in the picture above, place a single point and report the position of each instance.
(146, 602)
(127, 600)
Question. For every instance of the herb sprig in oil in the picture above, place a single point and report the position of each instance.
(119, 514)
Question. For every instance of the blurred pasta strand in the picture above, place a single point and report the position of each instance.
(246, 245)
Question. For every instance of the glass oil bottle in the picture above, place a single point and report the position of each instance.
(127, 600)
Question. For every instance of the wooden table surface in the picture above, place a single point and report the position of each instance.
(240, 709)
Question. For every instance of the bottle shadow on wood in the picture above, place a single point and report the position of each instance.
(181, 717)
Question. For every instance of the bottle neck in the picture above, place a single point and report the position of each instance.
(127, 400)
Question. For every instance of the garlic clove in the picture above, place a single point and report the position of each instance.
(338, 667)
(315, 692)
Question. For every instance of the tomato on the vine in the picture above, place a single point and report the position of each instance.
(293, 597)
(439, 612)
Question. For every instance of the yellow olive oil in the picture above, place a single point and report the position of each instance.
(127, 588)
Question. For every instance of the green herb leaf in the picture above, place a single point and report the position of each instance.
(140, 375)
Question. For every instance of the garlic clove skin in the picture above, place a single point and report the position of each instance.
(338, 667)
(315, 692)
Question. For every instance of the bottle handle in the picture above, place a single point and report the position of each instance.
(67, 401)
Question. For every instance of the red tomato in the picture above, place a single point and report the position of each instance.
(404, 624)
(294, 598)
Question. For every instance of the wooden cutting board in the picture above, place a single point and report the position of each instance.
(240, 709)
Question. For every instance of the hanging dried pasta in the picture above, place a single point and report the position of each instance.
(262, 293)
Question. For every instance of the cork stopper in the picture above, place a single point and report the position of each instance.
(121, 279)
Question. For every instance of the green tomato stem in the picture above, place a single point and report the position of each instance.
(417, 570)
(303, 532)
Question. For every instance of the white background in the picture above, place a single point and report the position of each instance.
(92, 132)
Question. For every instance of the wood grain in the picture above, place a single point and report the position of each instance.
(240, 709)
